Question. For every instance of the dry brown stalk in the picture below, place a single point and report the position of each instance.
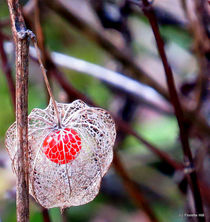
(22, 46)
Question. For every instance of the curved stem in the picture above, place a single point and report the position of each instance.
(47, 82)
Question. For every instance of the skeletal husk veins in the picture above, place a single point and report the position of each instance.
(62, 172)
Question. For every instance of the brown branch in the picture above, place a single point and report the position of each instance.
(132, 188)
(64, 215)
(201, 48)
(22, 46)
(126, 128)
(7, 70)
(203, 16)
(45, 215)
(184, 131)
(44, 73)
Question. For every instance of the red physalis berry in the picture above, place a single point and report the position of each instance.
(62, 145)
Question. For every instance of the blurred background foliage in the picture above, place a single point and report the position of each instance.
(158, 184)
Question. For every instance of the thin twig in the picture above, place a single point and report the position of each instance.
(126, 128)
(132, 188)
(44, 72)
(7, 70)
(201, 48)
(47, 83)
(22, 48)
(184, 131)
(45, 215)
(40, 41)
(64, 215)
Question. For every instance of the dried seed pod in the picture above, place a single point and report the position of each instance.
(66, 164)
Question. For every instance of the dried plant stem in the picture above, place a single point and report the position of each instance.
(184, 131)
(22, 48)
(47, 82)
(198, 29)
(40, 41)
(64, 215)
(35, 22)
(45, 215)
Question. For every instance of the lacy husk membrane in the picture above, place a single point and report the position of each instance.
(77, 182)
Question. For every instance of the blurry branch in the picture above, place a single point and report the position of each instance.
(203, 46)
(45, 215)
(164, 17)
(122, 56)
(126, 128)
(203, 15)
(64, 215)
(115, 79)
(97, 35)
(22, 46)
(132, 188)
(132, 87)
(197, 26)
(184, 130)
(7, 70)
